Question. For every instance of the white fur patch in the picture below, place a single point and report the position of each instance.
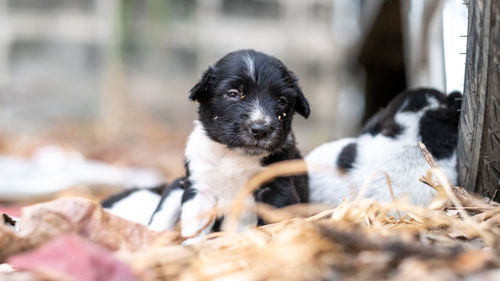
(169, 213)
(250, 65)
(137, 207)
(433, 102)
(258, 113)
(217, 173)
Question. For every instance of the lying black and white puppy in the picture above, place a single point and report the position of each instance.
(247, 101)
(388, 143)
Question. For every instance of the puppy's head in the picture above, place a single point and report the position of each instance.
(433, 114)
(247, 101)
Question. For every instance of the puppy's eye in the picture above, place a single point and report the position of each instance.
(283, 101)
(233, 94)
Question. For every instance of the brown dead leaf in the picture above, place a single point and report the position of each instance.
(10, 243)
(492, 216)
(43, 222)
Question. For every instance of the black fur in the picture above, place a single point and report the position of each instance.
(186, 168)
(289, 152)
(416, 102)
(347, 156)
(217, 224)
(412, 100)
(178, 183)
(382, 123)
(189, 192)
(278, 193)
(439, 128)
(159, 189)
(7, 220)
(283, 191)
(226, 120)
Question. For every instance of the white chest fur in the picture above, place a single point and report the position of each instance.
(215, 169)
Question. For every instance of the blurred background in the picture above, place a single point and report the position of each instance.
(104, 83)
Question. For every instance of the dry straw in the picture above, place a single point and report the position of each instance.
(454, 238)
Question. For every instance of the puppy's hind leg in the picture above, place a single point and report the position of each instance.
(248, 218)
(136, 204)
(168, 211)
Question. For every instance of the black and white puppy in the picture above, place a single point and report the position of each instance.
(388, 143)
(247, 101)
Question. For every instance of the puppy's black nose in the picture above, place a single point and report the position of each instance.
(260, 131)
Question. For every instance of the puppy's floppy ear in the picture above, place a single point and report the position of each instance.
(301, 103)
(202, 89)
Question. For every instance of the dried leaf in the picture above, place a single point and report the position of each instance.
(43, 222)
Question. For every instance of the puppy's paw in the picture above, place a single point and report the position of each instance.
(197, 215)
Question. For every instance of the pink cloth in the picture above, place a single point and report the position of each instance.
(74, 257)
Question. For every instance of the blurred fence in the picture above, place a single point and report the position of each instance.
(74, 61)
(116, 64)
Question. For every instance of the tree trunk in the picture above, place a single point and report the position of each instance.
(479, 133)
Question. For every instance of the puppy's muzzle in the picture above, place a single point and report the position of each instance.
(260, 130)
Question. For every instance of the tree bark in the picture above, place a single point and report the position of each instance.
(479, 132)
